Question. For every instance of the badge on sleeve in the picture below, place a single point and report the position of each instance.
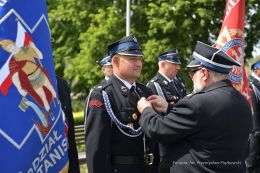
(94, 103)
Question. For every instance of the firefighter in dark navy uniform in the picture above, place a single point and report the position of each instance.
(253, 160)
(115, 143)
(208, 129)
(167, 85)
(106, 67)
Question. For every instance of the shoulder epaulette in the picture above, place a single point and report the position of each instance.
(102, 86)
(105, 85)
(97, 87)
(154, 79)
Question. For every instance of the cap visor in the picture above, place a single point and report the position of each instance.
(194, 63)
(131, 53)
(107, 64)
(228, 60)
(173, 62)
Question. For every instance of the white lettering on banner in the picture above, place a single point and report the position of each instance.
(54, 156)
(65, 145)
(2, 2)
(50, 154)
(47, 165)
(230, 5)
(40, 170)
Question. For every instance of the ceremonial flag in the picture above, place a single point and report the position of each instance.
(231, 41)
(32, 134)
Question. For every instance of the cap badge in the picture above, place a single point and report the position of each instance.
(123, 88)
(134, 38)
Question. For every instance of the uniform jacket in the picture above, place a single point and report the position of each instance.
(180, 84)
(254, 156)
(64, 96)
(209, 130)
(104, 140)
(172, 91)
(255, 102)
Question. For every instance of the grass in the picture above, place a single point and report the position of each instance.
(78, 118)
(83, 168)
(77, 115)
(81, 148)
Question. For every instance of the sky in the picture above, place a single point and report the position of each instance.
(256, 51)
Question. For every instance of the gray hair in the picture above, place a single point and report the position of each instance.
(216, 76)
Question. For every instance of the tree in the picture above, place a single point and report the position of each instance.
(93, 45)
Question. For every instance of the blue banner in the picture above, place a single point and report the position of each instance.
(32, 135)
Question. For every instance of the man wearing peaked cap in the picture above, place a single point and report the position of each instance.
(171, 87)
(166, 83)
(253, 161)
(209, 128)
(114, 140)
(107, 70)
(211, 58)
(171, 56)
(106, 66)
(256, 66)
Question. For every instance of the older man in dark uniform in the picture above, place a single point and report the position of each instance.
(211, 125)
(253, 161)
(115, 143)
(170, 87)
(165, 83)
(106, 66)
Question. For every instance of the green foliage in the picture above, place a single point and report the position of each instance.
(78, 120)
(65, 17)
(77, 104)
(82, 29)
(252, 25)
(93, 45)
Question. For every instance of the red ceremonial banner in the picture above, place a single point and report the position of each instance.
(231, 41)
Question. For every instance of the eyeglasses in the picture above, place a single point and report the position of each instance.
(192, 72)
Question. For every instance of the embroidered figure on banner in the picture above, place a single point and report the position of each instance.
(29, 76)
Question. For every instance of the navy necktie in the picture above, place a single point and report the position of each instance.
(133, 96)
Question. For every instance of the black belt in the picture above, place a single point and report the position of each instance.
(133, 160)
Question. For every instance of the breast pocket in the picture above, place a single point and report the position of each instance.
(125, 114)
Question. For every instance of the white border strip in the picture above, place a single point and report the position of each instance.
(19, 146)
(12, 11)
(211, 62)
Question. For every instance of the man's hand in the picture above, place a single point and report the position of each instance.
(142, 104)
(158, 103)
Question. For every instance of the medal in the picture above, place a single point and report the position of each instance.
(134, 116)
